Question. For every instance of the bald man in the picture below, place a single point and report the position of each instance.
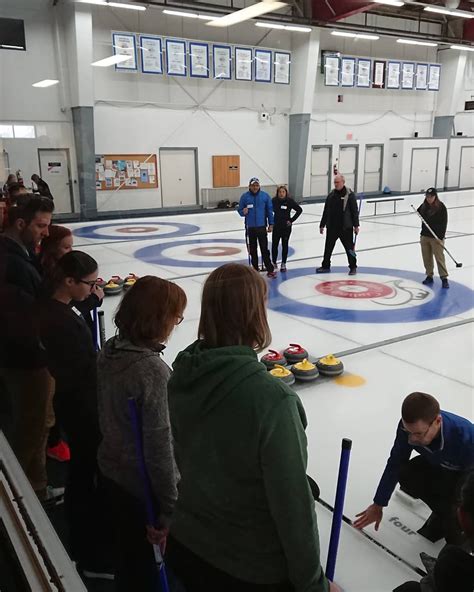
(341, 218)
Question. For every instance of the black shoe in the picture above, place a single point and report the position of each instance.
(432, 529)
(323, 270)
(428, 280)
(444, 283)
(353, 271)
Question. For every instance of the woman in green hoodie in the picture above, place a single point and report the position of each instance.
(245, 518)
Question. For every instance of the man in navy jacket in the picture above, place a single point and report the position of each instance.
(445, 446)
(256, 206)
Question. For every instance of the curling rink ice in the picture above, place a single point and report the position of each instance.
(393, 334)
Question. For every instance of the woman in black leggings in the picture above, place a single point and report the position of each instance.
(283, 205)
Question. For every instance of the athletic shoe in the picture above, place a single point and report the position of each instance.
(323, 270)
(271, 274)
(352, 271)
(283, 267)
(428, 280)
(54, 497)
(444, 283)
(275, 266)
(60, 452)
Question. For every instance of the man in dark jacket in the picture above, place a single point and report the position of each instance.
(341, 217)
(256, 206)
(445, 446)
(23, 365)
(43, 187)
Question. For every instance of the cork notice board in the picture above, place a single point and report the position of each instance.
(125, 171)
(226, 171)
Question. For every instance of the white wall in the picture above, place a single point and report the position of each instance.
(464, 120)
(23, 104)
(456, 145)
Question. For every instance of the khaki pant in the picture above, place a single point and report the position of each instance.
(31, 393)
(432, 247)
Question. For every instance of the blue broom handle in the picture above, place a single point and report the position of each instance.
(338, 508)
(96, 329)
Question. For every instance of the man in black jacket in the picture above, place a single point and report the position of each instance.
(23, 365)
(43, 187)
(341, 217)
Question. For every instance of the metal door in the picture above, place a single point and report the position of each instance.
(424, 167)
(321, 157)
(55, 169)
(348, 160)
(178, 176)
(466, 167)
(373, 168)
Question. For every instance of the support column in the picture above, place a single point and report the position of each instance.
(78, 26)
(451, 88)
(304, 65)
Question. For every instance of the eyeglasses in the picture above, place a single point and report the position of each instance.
(90, 283)
(180, 320)
(418, 435)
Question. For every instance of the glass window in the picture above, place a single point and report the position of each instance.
(6, 131)
(24, 131)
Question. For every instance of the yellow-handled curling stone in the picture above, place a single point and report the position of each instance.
(116, 279)
(112, 288)
(305, 371)
(330, 366)
(130, 281)
(283, 374)
(295, 353)
(272, 358)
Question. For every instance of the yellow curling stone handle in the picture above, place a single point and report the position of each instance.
(330, 360)
(304, 365)
(279, 371)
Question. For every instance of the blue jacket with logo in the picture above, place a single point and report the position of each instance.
(260, 209)
(452, 449)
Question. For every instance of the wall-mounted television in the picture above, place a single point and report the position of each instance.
(12, 34)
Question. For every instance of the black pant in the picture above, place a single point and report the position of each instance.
(437, 487)
(83, 498)
(283, 233)
(199, 576)
(134, 561)
(259, 233)
(347, 240)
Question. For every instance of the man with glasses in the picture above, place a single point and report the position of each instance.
(445, 446)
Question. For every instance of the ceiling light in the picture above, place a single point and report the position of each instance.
(270, 26)
(459, 13)
(462, 47)
(112, 60)
(112, 4)
(204, 17)
(246, 13)
(414, 42)
(355, 35)
(45, 83)
(298, 29)
(390, 2)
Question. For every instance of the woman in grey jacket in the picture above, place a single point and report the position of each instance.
(130, 365)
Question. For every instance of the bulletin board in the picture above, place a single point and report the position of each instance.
(125, 171)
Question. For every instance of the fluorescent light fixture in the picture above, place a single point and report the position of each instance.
(298, 29)
(355, 35)
(390, 2)
(414, 42)
(246, 13)
(111, 61)
(459, 13)
(462, 47)
(113, 4)
(3, 46)
(45, 83)
(270, 26)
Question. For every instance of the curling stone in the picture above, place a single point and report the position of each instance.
(330, 366)
(272, 358)
(101, 283)
(282, 374)
(295, 353)
(112, 288)
(305, 371)
(130, 281)
(116, 279)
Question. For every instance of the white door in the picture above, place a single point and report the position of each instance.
(424, 163)
(466, 171)
(373, 168)
(55, 170)
(178, 177)
(348, 157)
(320, 170)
